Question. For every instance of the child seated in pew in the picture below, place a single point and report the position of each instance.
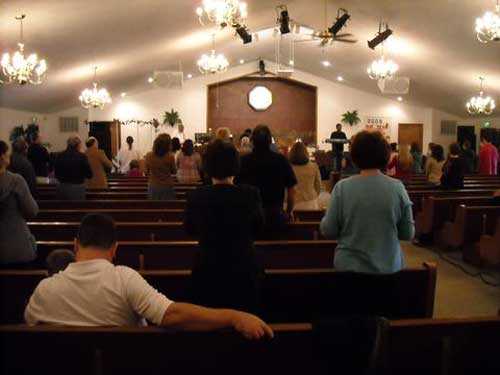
(58, 260)
(93, 292)
(135, 169)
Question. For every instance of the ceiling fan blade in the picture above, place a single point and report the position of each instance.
(345, 40)
(345, 35)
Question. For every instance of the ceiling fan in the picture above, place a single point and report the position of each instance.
(329, 35)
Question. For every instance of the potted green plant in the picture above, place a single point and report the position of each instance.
(172, 118)
(351, 118)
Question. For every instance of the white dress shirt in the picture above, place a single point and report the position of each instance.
(96, 293)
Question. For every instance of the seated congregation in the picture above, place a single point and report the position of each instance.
(239, 237)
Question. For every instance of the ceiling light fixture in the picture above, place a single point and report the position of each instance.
(95, 98)
(123, 94)
(382, 69)
(340, 78)
(480, 105)
(326, 63)
(381, 36)
(20, 69)
(488, 26)
(400, 99)
(291, 63)
(151, 79)
(212, 63)
(189, 76)
(222, 12)
(342, 18)
(283, 19)
(242, 61)
(243, 33)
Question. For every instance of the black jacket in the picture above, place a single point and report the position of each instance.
(72, 167)
(20, 164)
(39, 158)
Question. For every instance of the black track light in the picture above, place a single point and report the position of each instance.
(245, 36)
(340, 22)
(262, 68)
(381, 37)
(283, 19)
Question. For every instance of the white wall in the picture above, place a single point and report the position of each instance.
(49, 124)
(191, 102)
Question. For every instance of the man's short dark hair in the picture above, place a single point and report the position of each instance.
(20, 146)
(369, 150)
(486, 134)
(262, 138)
(221, 160)
(97, 230)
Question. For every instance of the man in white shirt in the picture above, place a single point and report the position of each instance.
(126, 155)
(94, 292)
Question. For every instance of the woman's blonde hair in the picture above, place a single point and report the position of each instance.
(404, 158)
(298, 154)
(223, 134)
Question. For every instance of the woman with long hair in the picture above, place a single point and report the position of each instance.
(188, 164)
(434, 164)
(161, 169)
(308, 178)
(404, 166)
(418, 158)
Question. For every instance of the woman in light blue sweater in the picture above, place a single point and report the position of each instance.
(369, 213)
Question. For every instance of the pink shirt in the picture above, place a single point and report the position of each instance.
(488, 160)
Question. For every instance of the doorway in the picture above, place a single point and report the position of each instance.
(409, 133)
(467, 133)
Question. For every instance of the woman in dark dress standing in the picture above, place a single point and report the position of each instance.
(225, 219)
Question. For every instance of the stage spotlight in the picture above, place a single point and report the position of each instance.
(262, 68)
(245, 36)
(283, 19)
(341, 21)
(381, 36)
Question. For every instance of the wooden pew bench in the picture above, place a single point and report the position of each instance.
(469, 224)
(157, 231)
(488, 248)
(437, 210)
(412, 347)
(111, 204)
(286, 295)
(181, 195)
(181, 255)
(153, 214)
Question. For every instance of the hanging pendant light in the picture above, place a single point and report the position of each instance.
(19, 69)
(94, 97)
(213, 63)
(488, 26)
(480, 105)
(222, 12)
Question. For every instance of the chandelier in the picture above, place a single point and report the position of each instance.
(222, 12)
(480, 105)
(382, 69)
(95, 98)
(20, 69)
(213, 63)
(488, 26)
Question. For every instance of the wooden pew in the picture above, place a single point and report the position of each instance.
(181, 255)
(469, 224)
(111, 204)
(488, 247)
(159, 231)
(420, 346)
(154, 214)
(417, 196)
(110, 195)
(286, 295)
(437, 210)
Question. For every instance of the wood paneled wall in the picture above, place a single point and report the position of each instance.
(293, 113)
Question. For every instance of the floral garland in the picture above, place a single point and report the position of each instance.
(154, 122)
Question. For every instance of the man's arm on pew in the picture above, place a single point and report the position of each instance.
(185, 316)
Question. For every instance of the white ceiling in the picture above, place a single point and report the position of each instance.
(434, 45)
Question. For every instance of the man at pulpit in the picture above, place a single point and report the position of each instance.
(338, 139)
